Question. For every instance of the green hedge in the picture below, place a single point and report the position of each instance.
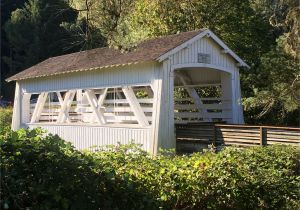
(41, 171)
(5, 117)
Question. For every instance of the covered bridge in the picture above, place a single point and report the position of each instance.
(103, 96)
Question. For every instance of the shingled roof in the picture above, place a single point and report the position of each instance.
(105, 57)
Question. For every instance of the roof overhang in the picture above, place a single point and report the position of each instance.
(74, 71)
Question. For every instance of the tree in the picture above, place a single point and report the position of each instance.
(7, 6)
(284, 16)
(34, 31)
(103, 20)
(278, 101)
(275, 98)
(235, 22)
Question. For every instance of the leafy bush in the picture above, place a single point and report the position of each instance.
(5, 117)
(40, 171)
(254, 178)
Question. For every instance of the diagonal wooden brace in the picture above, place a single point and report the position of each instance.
(91, 96)
(66, 105)
(135, 105)
(39, 107)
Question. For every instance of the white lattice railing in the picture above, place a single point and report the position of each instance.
(115, 108)
(216, 109)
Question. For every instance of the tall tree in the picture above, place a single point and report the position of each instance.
(234, 21)
(34, 33)
(103, 20)
(7, 6)
(278, 101)
(276, 95)
(284, 16)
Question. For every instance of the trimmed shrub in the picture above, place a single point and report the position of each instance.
(5, 117)
(40, 171)
(252, 178)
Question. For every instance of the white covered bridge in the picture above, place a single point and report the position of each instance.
(103, 96)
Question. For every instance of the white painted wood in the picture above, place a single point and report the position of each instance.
(226, 89)
(25, 113)
(157, 90)
(132, 75)
(125, 101)
(87, 136)
(135, 105)
(64, 112)
(109, 117)
(90, 110)
(102, 97)
(198, 85)
(184, 45)
(227, 67)
(189, 44)
(94, 104)
(60, 99)
(39, 107)
(192, 92)
(16, 119)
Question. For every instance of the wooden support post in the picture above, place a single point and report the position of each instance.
(64, 111)
(135, 105)
(25, 114)
(157, 90)
(96, 110)
(39, 107)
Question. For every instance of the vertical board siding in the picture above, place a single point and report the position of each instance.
(223, 64)
(203, 45)
(142, 73)
(84, 137)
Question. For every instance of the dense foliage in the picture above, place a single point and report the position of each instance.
(40, 171)
(5, 117)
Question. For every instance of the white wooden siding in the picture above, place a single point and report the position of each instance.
(84, 137)
(142, 73)
(207, 46)
(187, 59)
